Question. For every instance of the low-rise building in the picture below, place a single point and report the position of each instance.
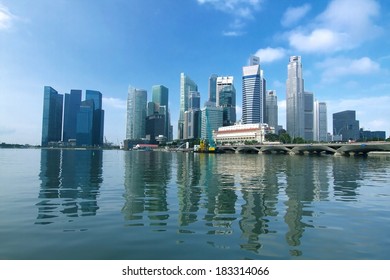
(242, 133)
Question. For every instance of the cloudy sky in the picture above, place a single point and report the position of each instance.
(107, 45)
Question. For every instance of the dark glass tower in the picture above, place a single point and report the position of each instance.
(98, 116)
(71, 109)
(52, 116)
(345, 124)
(85, 122)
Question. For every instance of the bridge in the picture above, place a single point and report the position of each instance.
(345, 149)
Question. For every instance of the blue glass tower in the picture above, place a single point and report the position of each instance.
(71, 109)
(98, 116)
(85, 121)
(52, 116)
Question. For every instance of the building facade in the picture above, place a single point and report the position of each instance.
(52, 116)
(241, 133)
(136, 113)
(253, 93)
(213, 88)
(271, 108)
(211, 119)
(226, 99)
(71, 109)
(186, 85)
(308, 107)
(295, 123)
(85, 123)
(346, 125)
(320, 122)
(160, 96)
(98, 116)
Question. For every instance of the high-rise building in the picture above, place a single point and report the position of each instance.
(52, 116)
(192, 124)
(320, 122)
(213, 88)
(226, 99)
(253, 93)
(186, 85)
(85, 123)
(295, 112)
(136, 113)
(193, 100)
(154, 127)
(160, 96)
(71, 109)
(271, 109)
(308, 107)
(98, 116)
(346, 125)
(211, 119)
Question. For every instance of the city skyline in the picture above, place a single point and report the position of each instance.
(342, 43)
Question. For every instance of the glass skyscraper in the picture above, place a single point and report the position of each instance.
(308, 115)
(345, 124)
(52, 116)
(213, 88)
(271, 109)
(85, 123)
(186, 85)
(211, 119)
(160, 96)
(295, 114)
(98, 116)
(253, 93)
(71, 109)
(136, 113)
(226, 99)
(320, 122)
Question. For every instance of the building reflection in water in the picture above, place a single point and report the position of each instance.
(70, 183)
(146, 177)
(347, 177)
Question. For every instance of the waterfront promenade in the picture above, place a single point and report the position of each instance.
(345, 149)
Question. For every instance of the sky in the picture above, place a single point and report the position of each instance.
(108, 45)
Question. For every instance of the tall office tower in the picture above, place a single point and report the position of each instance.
(186, 85)
(193, 100)
(98, 116)
(226, 99)
(211, 119)
(160, 96)
(320, 122)
(71, 108)
(52, 116)
(213, 88)
(192, 124)
(295, 98)
(271, 109)
(136, 113)
(154, 126)
(345, 124)
(253, 93)
(309, 115)
(85, 123)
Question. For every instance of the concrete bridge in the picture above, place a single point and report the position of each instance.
(293, 149)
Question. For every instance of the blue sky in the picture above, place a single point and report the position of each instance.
(107, 45)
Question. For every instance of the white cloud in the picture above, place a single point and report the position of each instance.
(270, 54)
(114, 103)
(344, 25)
(6, 17)
(334, 68)
(294, 14)
(240, 10)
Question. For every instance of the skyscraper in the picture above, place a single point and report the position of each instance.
(320, 122)
(308, 115)
(136, 113)
(52, 116)
(98, 116)
(211, 119)
(271, 108)
(253, 93)
(295, 98)
(226, 99)
(193, 100)
(71, 109)
(186, 85)
(213, 88)
(85, 123)
(345, 124)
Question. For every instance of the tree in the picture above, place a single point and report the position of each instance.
(271, 137)
(298, 140)
(285, 138)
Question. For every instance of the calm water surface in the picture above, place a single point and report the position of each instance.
(75, 204)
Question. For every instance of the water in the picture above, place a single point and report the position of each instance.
(75, 204)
